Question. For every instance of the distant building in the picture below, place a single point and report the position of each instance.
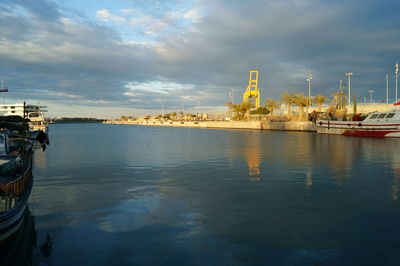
(18, 109)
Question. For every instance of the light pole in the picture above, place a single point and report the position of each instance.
(309, 78)
(349, 74)
(197, 115)
(3, 89)
(387, 88)
(231, 96)
(396, 71)
(370, 96)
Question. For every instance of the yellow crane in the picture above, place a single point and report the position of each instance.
(252, 91)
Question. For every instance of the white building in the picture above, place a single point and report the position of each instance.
(18, 109)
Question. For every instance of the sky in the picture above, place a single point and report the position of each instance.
(105, 59)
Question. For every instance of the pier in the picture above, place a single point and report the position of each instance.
(257, 125)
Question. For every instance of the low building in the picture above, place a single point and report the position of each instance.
(18, 109)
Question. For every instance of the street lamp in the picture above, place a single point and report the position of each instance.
(309, 78)
(387, 89)
(232, 96)
(349, 74)
(396, 71)
(370, 95)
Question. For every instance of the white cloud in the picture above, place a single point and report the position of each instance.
(193, 15)
(157, 87)
(106, 16)
(129, 11)
(61, 94)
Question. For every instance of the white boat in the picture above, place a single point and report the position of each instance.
(377, 124)
(35, 113)
(37, 122)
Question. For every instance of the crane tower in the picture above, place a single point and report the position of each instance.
(252, 89)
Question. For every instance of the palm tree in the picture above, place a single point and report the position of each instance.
(242, 109)
(173, 115)
(245, 108)
(320, 99)
(236, 109)
(181, 114)
(287, 98)
(271, 104)
(301, 101)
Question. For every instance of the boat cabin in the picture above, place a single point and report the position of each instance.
(383, 116)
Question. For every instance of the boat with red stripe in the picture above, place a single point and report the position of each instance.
(377, 124)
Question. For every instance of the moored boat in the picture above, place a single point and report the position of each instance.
(377, 124)
(16, 180)
(37, 121)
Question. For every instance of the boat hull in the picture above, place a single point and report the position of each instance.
(11, 220)
(359, 129)
(11, 224)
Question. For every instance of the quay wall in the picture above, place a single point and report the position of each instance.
(257, 125)
(289, 126)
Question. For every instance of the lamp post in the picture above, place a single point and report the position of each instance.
(232, 96)
(3, 89)
(197, 115)
(309, 78)
(349, 74)
(387, 88)
(370, 96)
(396, 72)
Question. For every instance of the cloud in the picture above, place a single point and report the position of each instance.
(174, 51)
(105, 15)
(193, 14)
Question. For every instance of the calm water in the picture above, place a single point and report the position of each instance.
(117, 195)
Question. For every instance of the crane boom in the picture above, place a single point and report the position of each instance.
(252, 91)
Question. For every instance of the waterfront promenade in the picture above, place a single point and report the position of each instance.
(258, 125)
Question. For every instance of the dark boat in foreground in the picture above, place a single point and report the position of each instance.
(16, 180)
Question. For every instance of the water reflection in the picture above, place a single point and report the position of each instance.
(395, 188)
(40, 159)
(193, 204)
(396, 183)
(252, 153)
(20, 248)
(309, 181)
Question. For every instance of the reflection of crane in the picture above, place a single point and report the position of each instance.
(252, 89)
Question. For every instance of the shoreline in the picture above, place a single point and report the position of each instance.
(255, 125)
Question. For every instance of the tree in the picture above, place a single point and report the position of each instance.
(288, 99)
(320, 99)
(260, 111)
(242, 110)
(167, 116)
(271, 104)
(301, 101)
(173, 115)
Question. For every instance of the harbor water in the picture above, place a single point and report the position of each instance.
(137, 195)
